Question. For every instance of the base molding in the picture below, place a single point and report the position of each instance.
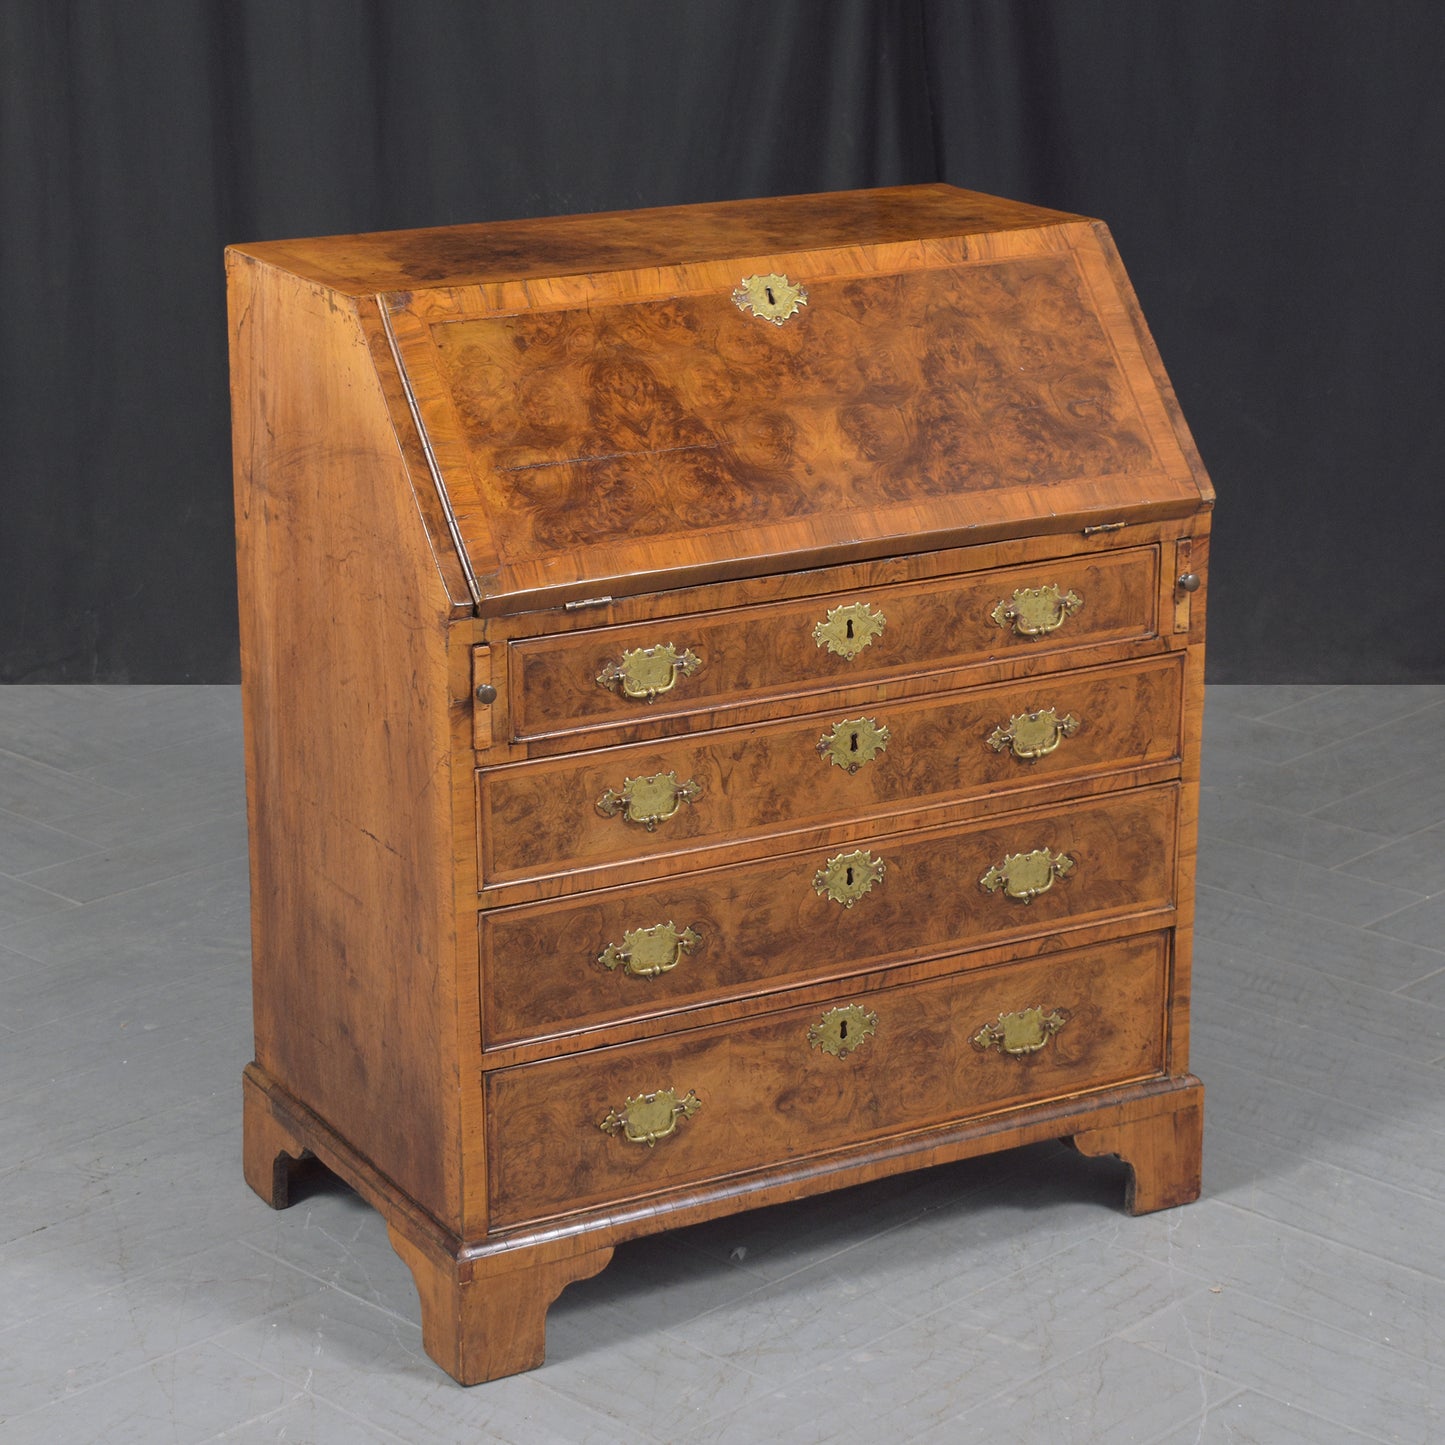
(484, 1302)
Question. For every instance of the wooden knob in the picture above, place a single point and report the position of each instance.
(1189, 582)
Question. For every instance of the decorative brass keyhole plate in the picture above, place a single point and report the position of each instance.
(1033, 735)
(1036, 611)
(851, 744)
(648, 801)
(846, 878)
(646, 1118)
(849, 628)
(1020, 1033)
(843, 1029)
(773, 298)
(644, 673)
(1023, 876)
(650, 952)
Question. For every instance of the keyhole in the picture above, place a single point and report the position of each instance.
(852, 742)
(842, 1030)
(850, 876)
(769, 291)
(850, 627)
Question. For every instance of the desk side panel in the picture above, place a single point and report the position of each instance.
(344, 676)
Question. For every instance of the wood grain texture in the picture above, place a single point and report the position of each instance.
(828, 837)
(794, 442)
(588, 1235)
(347, 752)
(485, 1318)
(757, 652)
(543, 817)
(777, 582)
(813, 592)
(1163, 1153)
(1181, 979)
(767, 1094)
(685, 417)
(507, 418)
(451, 559)
(543, 248)
(271, 1147)
(764, 924)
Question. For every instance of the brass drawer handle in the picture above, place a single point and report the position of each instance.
(846, 878)
(650, 952)
(645, 673)
(1033, 735)
(849, 628)
(1023, 876)
(648, 801)
(1036, 611)
(1021, 1033)
(646, 1118)
(851, 744)
(843, 1029)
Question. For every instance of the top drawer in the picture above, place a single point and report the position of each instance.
(614, 675)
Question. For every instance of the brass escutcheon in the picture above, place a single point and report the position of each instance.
(646, 1118)
(1036, 611)
(650, 952)
(1033, 735)
(851, 744)
(648, 801)
(645, 673)
(843, 1029)
(846, 878)
(772, 298)
(1021, 1033)
(1023, 876)
(849, 628)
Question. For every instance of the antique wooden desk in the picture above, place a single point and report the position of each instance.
(722, 694)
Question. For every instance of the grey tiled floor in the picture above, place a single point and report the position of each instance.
(146, 1295)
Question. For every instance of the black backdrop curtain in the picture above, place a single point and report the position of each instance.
(1271, 170)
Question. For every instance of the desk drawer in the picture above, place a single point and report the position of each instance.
(769, 924)
(554, 815)
(809, 1081)
(708, 661)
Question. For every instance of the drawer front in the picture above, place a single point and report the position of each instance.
(652, 948)
(707, 661)
(562, 1135)
(553, 815)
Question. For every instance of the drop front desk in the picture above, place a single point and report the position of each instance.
(722, 693)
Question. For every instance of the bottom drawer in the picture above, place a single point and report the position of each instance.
(616, 1123)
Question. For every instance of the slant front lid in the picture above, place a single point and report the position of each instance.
(615, 430)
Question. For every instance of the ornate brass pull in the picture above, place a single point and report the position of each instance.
(846, 878)
(1021, 1033)
(650, 952)
(645, 673)
(851, 744)
(1023, 876)
(843, 1029)
(1033, 735)
(648, 801)
(1036, 611)
(772, 298)
(849, 628)
(646, 1118)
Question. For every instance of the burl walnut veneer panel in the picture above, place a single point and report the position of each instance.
(722, 693)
